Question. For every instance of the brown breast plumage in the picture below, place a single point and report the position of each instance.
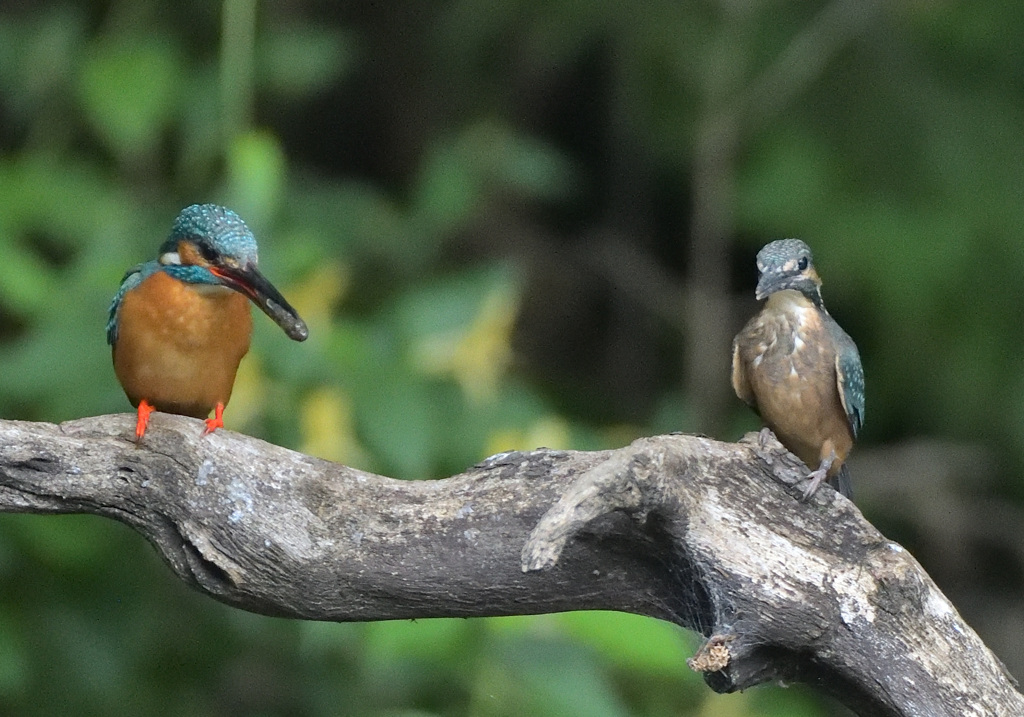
(784, 365)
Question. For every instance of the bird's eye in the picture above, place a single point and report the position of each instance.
(802, 264)
(207, 251)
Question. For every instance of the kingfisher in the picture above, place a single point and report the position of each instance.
(795, 366)
(180, 324)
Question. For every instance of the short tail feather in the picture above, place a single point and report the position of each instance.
(841, 482)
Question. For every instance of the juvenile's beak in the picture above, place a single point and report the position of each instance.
(770, 282)
(249, 281)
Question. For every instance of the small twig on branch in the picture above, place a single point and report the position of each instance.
(703, 533)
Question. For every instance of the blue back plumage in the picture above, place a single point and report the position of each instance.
(849, 372)
(209, 226)
(132, 278)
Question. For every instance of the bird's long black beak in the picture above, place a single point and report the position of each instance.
(249, 281)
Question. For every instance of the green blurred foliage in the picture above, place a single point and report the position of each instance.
(415, 174)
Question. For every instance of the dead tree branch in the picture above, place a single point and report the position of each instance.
(703, 533)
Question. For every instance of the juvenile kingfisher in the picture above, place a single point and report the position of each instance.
(795, 366)
(180, 324)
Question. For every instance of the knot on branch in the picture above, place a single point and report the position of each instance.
(632, 479)
(713, 655)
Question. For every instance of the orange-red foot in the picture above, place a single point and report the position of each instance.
(212, 424)
(143, 420)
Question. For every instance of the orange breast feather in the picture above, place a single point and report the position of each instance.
(179, 345)
(785, 366)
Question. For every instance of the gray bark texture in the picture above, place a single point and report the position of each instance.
(706, 534)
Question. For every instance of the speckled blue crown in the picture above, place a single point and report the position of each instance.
(218, 226)
(780, 251)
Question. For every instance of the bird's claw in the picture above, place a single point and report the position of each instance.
(212, 424)
(815, 479)
(142, 422)
(765, 437)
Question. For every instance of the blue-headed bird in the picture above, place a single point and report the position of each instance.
(795, 366)
(179, 325)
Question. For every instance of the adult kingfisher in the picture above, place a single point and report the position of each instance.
(795, 366)
(180, 324)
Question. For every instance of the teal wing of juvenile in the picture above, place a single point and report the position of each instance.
(849, 374)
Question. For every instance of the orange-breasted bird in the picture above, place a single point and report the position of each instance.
(180, 324)
(795, 366)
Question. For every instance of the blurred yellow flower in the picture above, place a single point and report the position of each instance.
(477, 357)
(547, 432)
(247, 396)
(317, 295)
(328, 430)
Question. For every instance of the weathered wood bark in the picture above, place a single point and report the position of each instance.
(703, 533)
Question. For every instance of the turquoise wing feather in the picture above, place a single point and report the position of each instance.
(132, 278)
(849, 374)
